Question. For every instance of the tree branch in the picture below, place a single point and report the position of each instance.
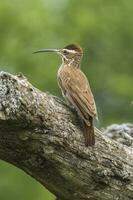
(40, 134)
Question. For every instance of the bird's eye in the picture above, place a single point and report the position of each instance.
(64, 51)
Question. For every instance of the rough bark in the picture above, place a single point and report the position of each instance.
(43, 136)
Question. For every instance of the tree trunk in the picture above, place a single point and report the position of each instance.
(43, 136)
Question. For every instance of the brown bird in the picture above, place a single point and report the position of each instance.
(75, 87)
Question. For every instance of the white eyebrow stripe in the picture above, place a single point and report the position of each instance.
(70, 51)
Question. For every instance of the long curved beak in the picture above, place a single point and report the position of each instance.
(46, 50)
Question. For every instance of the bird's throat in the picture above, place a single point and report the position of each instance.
(71, 62)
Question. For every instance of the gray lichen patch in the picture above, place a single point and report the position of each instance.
(9, 101)
(18, 97)
(123, 133)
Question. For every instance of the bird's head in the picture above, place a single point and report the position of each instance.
(70, 53)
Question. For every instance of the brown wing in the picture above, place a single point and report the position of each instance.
(78, 92)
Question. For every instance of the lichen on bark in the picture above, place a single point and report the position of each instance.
(43, 136)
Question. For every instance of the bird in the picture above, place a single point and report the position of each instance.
(75, 87)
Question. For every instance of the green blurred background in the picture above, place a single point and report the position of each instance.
(105, 31)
